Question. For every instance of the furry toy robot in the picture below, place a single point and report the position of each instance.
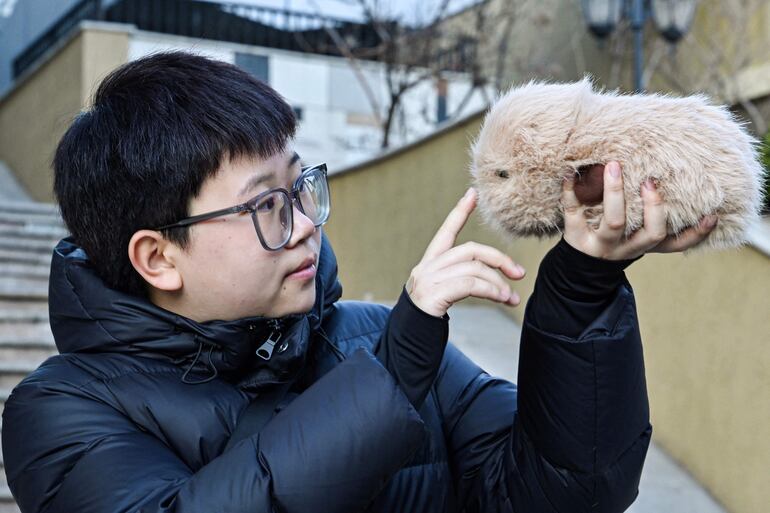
(702, 161)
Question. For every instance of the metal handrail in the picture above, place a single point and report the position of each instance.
(225, 21)
(85, 9)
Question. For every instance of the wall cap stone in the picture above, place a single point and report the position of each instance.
(759, 235)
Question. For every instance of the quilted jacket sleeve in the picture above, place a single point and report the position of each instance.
(573, 436)
(66, 451)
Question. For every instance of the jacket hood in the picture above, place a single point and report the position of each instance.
(87, 316)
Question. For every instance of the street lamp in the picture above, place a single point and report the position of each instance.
(602, 16)
(672, 19)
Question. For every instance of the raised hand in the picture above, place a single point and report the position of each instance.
(448, 273)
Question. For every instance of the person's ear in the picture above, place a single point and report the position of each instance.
(153, 257)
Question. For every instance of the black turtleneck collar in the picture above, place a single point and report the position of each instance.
(89, 317)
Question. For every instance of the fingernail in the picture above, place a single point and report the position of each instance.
(468, 193)
(515, 297)
(649, 184)
(521, 269)
(614, 170)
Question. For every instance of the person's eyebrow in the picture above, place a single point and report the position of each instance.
(258, 179)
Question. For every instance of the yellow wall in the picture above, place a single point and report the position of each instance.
(103, 51)
(35, 114)
(37, 111)
(724, 54)
(704, 321)
(704, 318)
(385, 214)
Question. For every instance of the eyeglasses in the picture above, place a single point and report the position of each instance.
(272, 211)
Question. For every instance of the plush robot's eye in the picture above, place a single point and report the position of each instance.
(502, 173)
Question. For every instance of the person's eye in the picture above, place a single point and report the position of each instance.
(266, 205)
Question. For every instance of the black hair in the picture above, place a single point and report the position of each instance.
(158, 128)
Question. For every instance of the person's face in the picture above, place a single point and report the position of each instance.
(227, 274)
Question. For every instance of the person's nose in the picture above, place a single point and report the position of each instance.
(303, 227)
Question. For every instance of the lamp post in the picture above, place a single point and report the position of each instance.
(672, 19)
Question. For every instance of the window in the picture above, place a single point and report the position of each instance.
(256, 65)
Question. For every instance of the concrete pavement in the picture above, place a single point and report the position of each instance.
(491, 339)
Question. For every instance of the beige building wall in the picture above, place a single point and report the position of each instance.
(40, 107)
(386, 213)
(704, 322)
(724, 54)
(704, 318)
(104, 49)
(521, 40)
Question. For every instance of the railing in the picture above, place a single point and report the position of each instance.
(85, 9)
(242, 23)
(230, 21)
(226, 21)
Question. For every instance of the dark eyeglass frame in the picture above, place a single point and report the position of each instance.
(250, 206)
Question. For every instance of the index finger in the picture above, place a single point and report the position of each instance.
(614, 216)
(447, 234)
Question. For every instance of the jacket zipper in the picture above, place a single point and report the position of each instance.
(265, 351)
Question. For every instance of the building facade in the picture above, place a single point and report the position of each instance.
(341, 103)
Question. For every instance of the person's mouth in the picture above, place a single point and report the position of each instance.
(305, 270)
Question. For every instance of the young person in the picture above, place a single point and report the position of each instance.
(207, 365)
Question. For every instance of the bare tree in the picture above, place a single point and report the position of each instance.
(425, 49)
(489, 43)
(411, 55)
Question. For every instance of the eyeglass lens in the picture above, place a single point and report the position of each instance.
(273, 214)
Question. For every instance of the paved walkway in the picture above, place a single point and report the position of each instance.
(491, 340)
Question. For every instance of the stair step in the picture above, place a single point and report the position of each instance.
(27, 207)
(17, 334)
(38, 353)
(26, 270)
(23, 257)
(27, 245)
(44, 232)
(5, 492)
(23, 288)
(28, 233)
(30, 219)
(26, 342)
(11, 373)
(23, 311)
(8, 505)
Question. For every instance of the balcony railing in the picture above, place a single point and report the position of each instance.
(229, 21)
(225, 21)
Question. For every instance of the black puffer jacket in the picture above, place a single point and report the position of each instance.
(110, 424)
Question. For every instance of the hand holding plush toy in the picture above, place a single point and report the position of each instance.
(608, 240)
(699, 161)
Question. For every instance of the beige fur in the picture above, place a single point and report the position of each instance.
(703, 161)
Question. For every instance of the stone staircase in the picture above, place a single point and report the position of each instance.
(28, 233)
